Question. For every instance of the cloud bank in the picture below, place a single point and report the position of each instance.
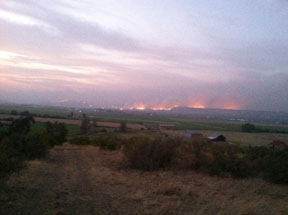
(209, 54)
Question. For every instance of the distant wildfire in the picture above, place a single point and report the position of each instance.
(200, 105)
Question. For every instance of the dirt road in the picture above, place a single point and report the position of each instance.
(62, 184)
(85, 180)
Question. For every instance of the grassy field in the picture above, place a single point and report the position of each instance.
(221, 125)
(230, 129)
(240, 138)
(72, 129)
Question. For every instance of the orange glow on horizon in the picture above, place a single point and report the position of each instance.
(156, 107)
(231, 107)
(140, 108)
(197, 105)
(163, 107)
(137, 107)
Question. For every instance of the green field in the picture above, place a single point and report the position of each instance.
(72, 129)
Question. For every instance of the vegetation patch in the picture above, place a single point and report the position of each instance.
(109, 142)
(18, 143)
(276, 166)
(81, 140)
(149, 154)
(200, 154)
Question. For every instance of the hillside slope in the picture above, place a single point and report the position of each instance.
(85, 180)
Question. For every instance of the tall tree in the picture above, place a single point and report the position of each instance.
(84, 124)
(123, 126)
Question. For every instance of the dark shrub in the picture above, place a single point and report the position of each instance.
(21, 127)
(228, 159)
(216, 158)
(80, 140)
(25, 113)
(123, 126)
(248, 127)
(84, 127)
(104, 130)
(276, 166)
(149, 154)
(18, 143)
(94, 123)
(239, 168)
(3, 132)
(255, 153)
(14, 112)
(37, 145)
(58, 131)
(107, 142)
(10, 157)
(194, 153)
(256, 157)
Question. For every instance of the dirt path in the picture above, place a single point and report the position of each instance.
(62, 184)
(86, 181)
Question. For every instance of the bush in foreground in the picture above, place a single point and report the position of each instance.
(37, 145)
(83, 140)
(248, 127)
(108, 142)
(194, 154)
(228, 159)
(276, 166)
(256, 157)
(18, 143)
(214, 158)
(10, 157)
(149, 154)
(58, 131)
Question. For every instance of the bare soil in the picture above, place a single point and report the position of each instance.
(86, 180)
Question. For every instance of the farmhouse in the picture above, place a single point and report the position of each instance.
(217, 137)
(191, 134)
(166, 127)
(277, 144)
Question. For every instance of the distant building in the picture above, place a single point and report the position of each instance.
(217, 137)
(277, 144)
(166, 127)
(191, 134)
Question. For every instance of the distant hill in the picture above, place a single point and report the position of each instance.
(6, 102)
(70, 103)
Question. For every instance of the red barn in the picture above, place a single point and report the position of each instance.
(277, 144)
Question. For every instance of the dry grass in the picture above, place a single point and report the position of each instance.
(84, 180)
(240, 137)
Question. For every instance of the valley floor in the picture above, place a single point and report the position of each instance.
(85, 180)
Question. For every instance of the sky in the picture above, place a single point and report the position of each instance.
(145, 54)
